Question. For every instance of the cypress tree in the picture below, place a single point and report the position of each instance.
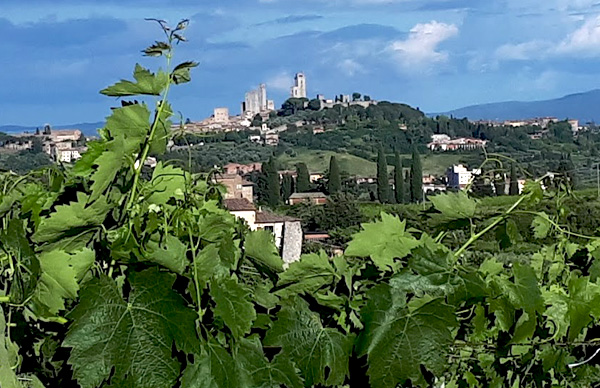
(272, 195)
(334, 182)
(286, 188)
(398, 179)
(416, 174)
(383, 184)
(303, 178)
(513, 189)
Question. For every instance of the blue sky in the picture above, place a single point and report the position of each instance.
(434, 54)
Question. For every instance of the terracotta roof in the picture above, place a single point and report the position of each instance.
(238, 204)
(265, 217)
(307, 195)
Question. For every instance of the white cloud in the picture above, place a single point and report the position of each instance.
(585, 40)
(421, 46)
(522, 51)
(350, 67)
(282, 81)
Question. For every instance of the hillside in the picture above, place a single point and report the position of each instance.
(89, 129)
(581, 106)
(318, 161)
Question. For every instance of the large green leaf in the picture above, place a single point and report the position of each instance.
(146, 83)
(14, 242)
(8, 378)
(133, 336)
(167, 182)
(260, 373)
(312, 347)
(61, 274)
(524, 293)
(454, 206)
(213, 368)
(233, 305)
(399, 337)
(307, 275)
(73, 222)
(383, 241)
(259, 247)
(170, 253)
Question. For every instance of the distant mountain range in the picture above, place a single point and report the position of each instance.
(88, 129)
(582, 106)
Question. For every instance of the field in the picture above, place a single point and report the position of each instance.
(318, 161)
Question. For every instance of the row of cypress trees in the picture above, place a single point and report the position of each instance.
(414, 180)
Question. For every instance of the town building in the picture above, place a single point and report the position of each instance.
(315, 176)
(67, 155)
(445, 143)
(459, 176)
(236, 186)
(313, 198)
(299, 88)
(287, 231)
(256, 102)
(221, 115)
(242, 169)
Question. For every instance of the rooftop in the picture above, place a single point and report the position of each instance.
(238, 204)
(308, 195)
(266, 217)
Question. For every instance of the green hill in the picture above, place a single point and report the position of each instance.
(318, 161)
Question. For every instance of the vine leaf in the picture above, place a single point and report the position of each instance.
(524, 293)
(259, 247)
(167, 182)
(61, 274)
(399, 337)
(454, 206)
(27, 269)
(73, 222)
(383, 241)
(262, 373)
(181, 73)
(146, 83)
(170, 253)
(212, 368)
(233, 305)
(8, 357)
(312, 347)
(133, 335)
(541, 226)
(307, 275)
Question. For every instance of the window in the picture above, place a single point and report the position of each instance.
(269, 228)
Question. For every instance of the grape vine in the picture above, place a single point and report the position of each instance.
(110, 277)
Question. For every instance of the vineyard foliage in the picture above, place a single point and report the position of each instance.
(114, 276)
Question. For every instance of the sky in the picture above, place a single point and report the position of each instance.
(55, 55)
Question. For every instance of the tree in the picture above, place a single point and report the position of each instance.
(356, 96)
(314, 104)
(499, 184)
(366, 98)
(257, 120)
(272, 190)
(286, 187)
(334, 181)
(416, 173)
(398, 179)
(514, 181)
(303, 178)
(383, 184)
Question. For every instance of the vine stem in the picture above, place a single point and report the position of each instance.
(148, 144)
(491, 226)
